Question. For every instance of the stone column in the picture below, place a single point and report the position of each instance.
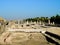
(34, 22)
(31, 22)
(40, 22)
(53, 23)
(27, 22)
(48, 21)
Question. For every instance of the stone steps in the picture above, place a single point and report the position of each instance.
(53, 38)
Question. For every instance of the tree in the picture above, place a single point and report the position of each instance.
(55, 19)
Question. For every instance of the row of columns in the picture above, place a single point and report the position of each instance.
(27, 22)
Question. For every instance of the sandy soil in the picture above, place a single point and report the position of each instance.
(20, 38)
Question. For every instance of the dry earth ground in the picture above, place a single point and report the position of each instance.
(20, 38)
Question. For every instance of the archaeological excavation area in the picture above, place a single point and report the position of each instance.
(29, 34)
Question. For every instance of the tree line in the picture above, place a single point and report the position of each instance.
(55, 19)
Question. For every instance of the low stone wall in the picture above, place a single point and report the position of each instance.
(52, 34)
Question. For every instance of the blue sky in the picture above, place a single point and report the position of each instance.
(20, 9)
